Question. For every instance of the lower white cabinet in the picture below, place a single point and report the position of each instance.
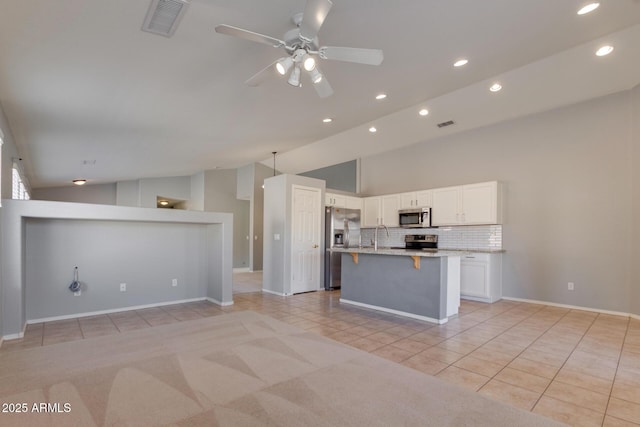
(481, 277)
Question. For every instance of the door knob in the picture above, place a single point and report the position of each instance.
(315, 246)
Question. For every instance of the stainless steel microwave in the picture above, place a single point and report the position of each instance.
(415, 217)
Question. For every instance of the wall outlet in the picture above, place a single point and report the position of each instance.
(123, 287)
(570, 286)
(174, 282)
(77, 293)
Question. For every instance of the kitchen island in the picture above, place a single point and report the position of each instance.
(423, 285)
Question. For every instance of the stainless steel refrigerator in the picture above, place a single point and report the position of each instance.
(342, 230)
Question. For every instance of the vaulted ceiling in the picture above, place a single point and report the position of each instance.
(88, 94)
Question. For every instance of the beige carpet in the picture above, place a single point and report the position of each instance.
(240, 369)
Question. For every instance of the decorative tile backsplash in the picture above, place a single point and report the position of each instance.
(478, 237)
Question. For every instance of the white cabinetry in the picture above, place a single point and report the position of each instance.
(415, 199)
(353, 203)
(481, 277)
(337, 200)
(342, 201)
(380, 210)
(472, 204)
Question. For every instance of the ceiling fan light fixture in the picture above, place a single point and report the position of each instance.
(316, 76)
(284, 65)
(294, 78)
(309, 63)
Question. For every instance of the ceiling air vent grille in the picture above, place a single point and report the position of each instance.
(445, 124)
(164, 16)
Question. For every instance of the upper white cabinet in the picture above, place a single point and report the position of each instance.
(370, 212)
(390, 206)
(334, 200)
(416, 199)
(468, 204)
(342, 201)
(353, 203)
(380, 210)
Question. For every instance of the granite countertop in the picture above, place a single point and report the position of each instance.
(385, 250)
(399, 252)
(482, 251)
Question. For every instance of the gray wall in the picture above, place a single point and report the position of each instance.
(635, 239)
(9, 151)
(103, 194)
(569, 200)
(220, 196)
(150, 239)
(343, 176)
(145, 256)
(261, 172)
(278, 220)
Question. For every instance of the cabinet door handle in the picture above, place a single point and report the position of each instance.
(463, 218)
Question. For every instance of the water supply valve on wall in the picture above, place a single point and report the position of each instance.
(75, 286)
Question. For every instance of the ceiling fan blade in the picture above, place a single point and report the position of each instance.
(323, 88)
(314, 15)
(260, 76)
(248, 35)
(352, 54)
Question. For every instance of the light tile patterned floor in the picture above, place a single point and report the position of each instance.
(579, 367)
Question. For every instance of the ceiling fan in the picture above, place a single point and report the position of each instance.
(302, 47)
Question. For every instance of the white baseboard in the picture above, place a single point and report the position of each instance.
(573, 307)
(220, 303)
(267, 291)
(399, 313)
(114, 310)
(241, 270)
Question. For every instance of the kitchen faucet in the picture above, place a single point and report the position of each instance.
(375, 236)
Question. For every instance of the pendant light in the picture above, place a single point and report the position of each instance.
(274, 162)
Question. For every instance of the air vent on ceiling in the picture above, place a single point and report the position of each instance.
(164, 16)
(444, 124)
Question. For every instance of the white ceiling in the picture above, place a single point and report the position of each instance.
(80, 81)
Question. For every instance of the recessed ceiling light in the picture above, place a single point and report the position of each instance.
(588, 8)
(372, 129)
(164, 202)
(327, 120)
(79, 181)
(495, 87)
(604, 50)
(423, 112)
(460, 62)
(381, 96)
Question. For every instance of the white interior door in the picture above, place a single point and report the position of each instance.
(305, 248)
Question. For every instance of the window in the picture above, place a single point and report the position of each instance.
(19, 189)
